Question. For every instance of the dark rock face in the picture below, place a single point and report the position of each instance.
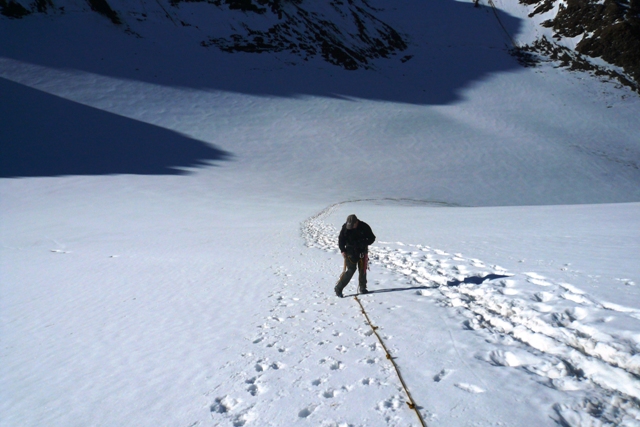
(350, 38)
(610, 30)
(348, 34)
(103, 8)
(345, 33)
(569, 59)
(11, 9)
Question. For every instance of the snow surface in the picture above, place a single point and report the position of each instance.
(173, 261)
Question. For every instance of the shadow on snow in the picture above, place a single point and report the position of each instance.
(44, 135)
(451, 45)
(475, 280)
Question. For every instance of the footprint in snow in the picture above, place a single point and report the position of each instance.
(329, 394)
(577, 313)
(569, 384)
(333, 364)
(548, 369)
(371, 361)
(543, 296)
(504, 358)
(542, 308)
(223, 405)
(260, 366)
(537, 279)
(572, 288)
(276, 366)
(336, 366)
(507, 283)
(304, 413)
(539, 282)
(392, 404)
(444, 373)
(578, 299)
(254, 389)
(470, 388)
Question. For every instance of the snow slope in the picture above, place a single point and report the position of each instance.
(168, 233)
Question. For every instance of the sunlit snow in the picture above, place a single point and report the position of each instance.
(169, 231)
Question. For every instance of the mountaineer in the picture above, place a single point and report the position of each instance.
(354, 239)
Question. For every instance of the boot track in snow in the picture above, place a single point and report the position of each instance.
(576, 355)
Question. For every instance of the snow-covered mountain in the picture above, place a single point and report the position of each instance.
(347, 34)
(350, 34)
(169, 214)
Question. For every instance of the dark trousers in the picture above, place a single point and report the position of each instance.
(352, 264)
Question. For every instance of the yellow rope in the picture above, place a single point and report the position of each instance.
(495, 12)
(410, 402)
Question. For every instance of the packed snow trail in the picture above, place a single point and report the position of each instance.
(554, 320)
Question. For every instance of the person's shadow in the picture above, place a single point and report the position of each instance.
(475, 280)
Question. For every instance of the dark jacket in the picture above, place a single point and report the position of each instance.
(354, 242)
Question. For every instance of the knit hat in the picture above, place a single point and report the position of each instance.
(351, 221)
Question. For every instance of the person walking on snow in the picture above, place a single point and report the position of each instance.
(354, 239)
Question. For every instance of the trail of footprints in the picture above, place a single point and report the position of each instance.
(306, 333)
(562, 328)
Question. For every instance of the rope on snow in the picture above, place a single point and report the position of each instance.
(410, 402)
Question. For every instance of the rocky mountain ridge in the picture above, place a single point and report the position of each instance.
(344, 33)
(585, 29)
(585, 35)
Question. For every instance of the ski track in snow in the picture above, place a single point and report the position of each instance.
(557, 322)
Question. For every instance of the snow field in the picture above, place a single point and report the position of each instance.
(206, 299)
(317, 358)
(560, 326)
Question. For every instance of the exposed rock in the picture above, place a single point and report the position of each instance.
(103, 8)
(351, 39)
(13, 9)
(345, 33)
(542, 49)
(610, 30)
